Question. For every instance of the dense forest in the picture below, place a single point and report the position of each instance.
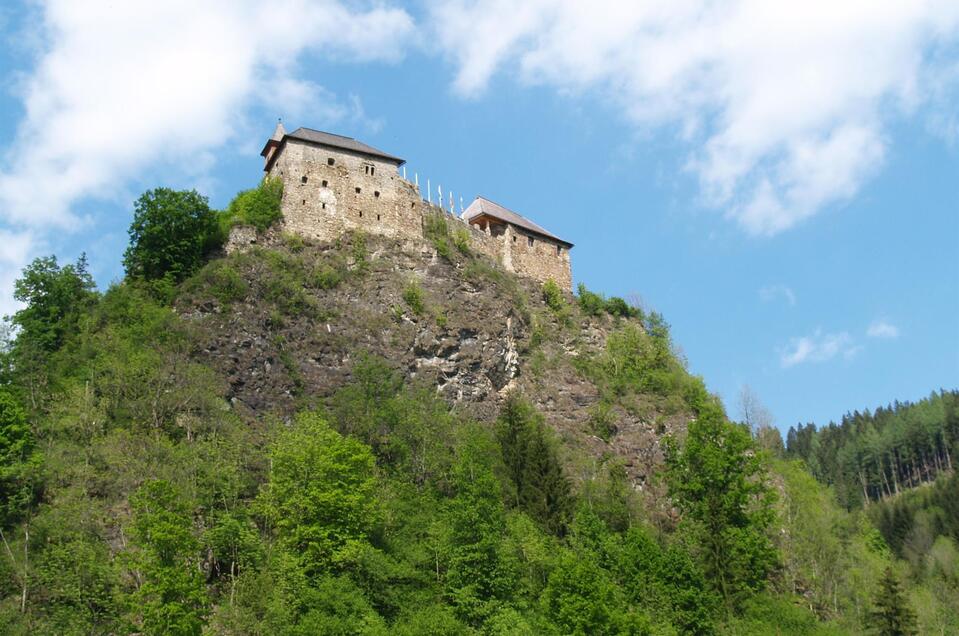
(137, 498)
(873, 456)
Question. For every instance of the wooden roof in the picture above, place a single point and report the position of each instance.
(484, 207)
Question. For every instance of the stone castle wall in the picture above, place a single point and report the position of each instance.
(322, 200)
(327, 192)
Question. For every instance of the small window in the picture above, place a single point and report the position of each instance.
(413, 204)
(514, 238)
(369, 169)
(529, 241)
(357, 190)
(372, 170)
(330, 161)
(324, 206)
(377, 217)
(304, 201)
(325, 183)
(361, 214)
(303, 179)
(559, 250)
(376, 193)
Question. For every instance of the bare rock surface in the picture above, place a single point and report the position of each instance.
(477, 337)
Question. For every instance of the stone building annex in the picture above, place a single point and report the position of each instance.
(333, 184)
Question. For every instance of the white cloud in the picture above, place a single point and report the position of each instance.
(120, 88)
(124, 84)
(15, 251)
(784, 104)
(882, 329)
(772, 292)
(818, 347)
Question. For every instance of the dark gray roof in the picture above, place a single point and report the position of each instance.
(484, 206)
(339, 141)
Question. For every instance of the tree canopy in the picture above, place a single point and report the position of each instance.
(172, 233)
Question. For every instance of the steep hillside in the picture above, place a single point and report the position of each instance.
(382, 437)
(285, 324)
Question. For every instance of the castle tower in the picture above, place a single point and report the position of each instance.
(332, 184)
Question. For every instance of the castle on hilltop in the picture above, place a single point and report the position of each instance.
(333, 184)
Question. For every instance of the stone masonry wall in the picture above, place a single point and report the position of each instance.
(327, 192)
(322, 201)
(537, 258)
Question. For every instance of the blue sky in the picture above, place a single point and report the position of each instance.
(780, 181)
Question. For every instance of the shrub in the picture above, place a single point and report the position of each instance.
(437, 231)
(592, 304)
(327, 277)
(461, 239)
(616, 306)
(283, 285)
(553, 296)
(259, 206)
(221, 280)
(360, 253)
(602, 421)
(413, 295)
(294, 242)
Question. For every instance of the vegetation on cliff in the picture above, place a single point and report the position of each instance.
(146, 488)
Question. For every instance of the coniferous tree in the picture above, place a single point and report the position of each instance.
(540, 487)
(892, 615)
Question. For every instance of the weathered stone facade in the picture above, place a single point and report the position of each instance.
(529, 255)
(329, 190)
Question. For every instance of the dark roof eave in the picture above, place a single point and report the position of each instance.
(266, 146)
(524, 230)
(551, 239)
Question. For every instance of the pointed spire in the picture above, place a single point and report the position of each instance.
(279, 131)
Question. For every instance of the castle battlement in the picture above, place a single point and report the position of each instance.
(334, 184)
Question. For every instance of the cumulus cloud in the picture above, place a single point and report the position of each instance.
(882, 329)
(120, 85)
(15, 250)
(772, 292)
(818, 347)
(784, 105)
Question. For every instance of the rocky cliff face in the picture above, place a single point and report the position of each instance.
(285, 323)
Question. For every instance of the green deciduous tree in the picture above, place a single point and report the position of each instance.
(666, 581)
(172, 232)
(718, 481)
(582, 600)
(479, 576)
(19, 461)
(321, 495)
(55, 298)
(172, 598)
